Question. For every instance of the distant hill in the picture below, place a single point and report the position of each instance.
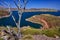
(43, 10)
(5, 11)
(33, 9)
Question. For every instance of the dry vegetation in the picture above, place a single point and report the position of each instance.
(29, 32)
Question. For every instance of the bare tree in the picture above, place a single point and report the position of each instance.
(20, 12)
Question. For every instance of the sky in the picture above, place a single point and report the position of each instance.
(53, 4)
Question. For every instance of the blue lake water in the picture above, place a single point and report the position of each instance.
(9, 21)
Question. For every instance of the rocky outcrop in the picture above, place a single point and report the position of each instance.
(46, 20)
(42, 37)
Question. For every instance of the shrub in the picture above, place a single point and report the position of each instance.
(48, 32)
(1, 39)
(31, 31)
(27, 37)
(51, 32)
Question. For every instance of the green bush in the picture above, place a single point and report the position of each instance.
(48, 32)
(51, 32)
(27, 37)
(31, 31)
(1, 39)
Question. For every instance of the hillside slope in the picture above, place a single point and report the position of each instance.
(46, 20)
(4, 13)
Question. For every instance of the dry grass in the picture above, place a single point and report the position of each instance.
(28, 32)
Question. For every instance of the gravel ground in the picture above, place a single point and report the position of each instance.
(40, 37)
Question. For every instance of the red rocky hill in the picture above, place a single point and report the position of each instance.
(46, 20)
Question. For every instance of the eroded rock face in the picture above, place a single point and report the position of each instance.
(47, 20)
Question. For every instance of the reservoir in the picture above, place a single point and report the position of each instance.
(9, 21)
